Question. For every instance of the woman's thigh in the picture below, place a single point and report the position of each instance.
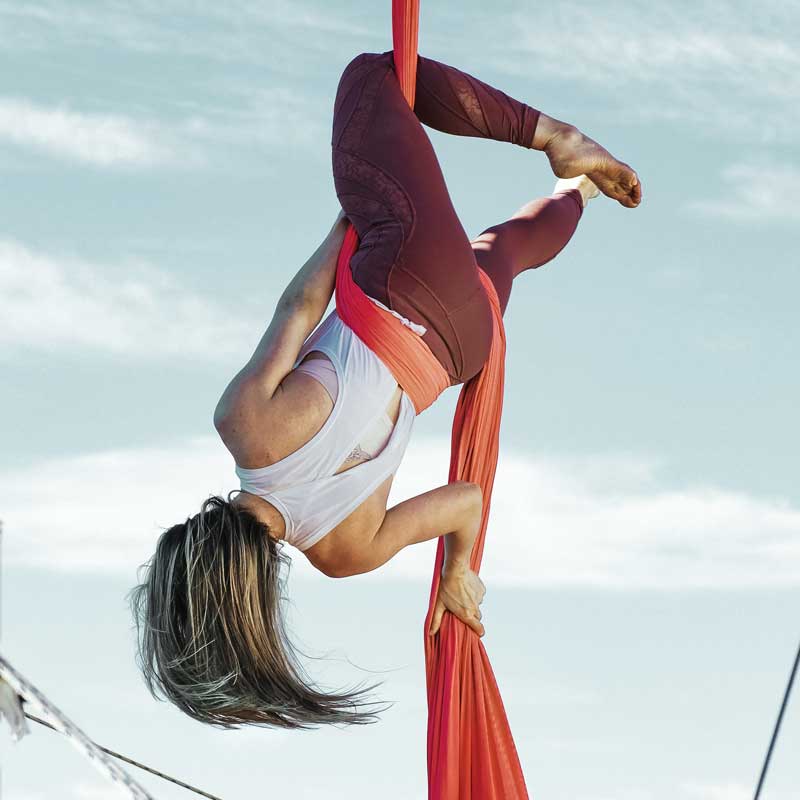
(414, 255)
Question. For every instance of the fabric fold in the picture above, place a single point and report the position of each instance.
(470, 750)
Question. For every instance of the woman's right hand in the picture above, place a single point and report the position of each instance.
(460, 592)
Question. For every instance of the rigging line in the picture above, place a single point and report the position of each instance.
(28, 693)
(778, 725)
(135, 763)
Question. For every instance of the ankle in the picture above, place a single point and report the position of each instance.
(549, 130)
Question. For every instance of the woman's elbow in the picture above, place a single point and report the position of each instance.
(336, 570)
(332, 565)
(344, 564)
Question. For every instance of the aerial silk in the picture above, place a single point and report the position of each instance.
(470, 750)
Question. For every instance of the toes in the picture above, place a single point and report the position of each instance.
(628, 195)
(626, 175)
(632, 188)
(632, 200)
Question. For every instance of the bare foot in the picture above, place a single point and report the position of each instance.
(571, 153)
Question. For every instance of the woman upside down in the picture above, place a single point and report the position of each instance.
(316, 422)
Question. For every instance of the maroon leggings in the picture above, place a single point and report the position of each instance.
(414, 256)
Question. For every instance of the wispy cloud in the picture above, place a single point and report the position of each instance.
(56, 304)
(99, 139)
(270, 117)
(709, 63)
(99, 790)
(599, 521)
(244, 31)
(756, 192)
(274, 117)
(722, 791)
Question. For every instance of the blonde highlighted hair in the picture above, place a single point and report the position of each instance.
(210, 630)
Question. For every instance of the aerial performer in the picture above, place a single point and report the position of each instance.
(316, 422)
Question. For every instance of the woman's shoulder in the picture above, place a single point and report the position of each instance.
(268, 431)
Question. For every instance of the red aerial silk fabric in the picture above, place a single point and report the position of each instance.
(471, 753)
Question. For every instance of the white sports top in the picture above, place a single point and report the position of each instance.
(375, 439)
(302, 486)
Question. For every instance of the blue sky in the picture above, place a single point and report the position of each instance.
(165, 173)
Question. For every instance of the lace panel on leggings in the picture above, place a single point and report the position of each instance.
(376, 186)
(368, 88)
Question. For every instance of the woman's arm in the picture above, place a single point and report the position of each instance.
(297, 313)
(454, 511)
(314, 282)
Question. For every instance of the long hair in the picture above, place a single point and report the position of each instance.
(210, 629)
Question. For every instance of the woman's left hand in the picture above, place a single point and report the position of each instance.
(461, 591)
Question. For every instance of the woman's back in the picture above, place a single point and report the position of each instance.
(299, 413)
(305, 439)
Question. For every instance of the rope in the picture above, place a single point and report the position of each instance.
(135, 763)
(778, 724)
(31, 695)
(95, 753)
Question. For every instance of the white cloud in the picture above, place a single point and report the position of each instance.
(755, 192)
(236, 31)
(101, 790)
(709, 64)
(282, 117)
(94, 138)
(131, 309)
(586, 522)
(189, 115)
(649, 44)
(267, 118)
(726, 791)
(16, 794)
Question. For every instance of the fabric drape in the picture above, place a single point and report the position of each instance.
(470, 751)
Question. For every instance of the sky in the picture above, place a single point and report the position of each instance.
(165, 172)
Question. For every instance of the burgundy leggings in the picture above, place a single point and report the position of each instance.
(414, 255)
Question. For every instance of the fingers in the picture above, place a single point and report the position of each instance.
(472, 616)
(473, 621)
(476, 626)
(436, 620)
(462, 599)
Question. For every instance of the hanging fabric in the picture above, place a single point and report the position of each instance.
(470, 751)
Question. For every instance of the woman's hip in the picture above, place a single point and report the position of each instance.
(458, 321)
(414, 255)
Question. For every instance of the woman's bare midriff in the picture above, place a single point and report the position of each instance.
(298, 412)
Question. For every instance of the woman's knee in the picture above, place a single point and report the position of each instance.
(355, 77)
(364, 58)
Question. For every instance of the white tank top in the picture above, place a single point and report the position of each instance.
(375, 438)
(303, 487)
